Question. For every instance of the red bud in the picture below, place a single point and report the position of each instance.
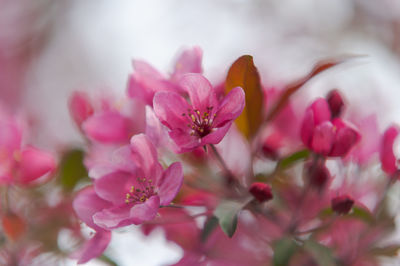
(261, 191)
(335, 102)
(342, 204)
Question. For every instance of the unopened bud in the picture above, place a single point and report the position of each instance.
(318, 174)
(261, 191)
(342, 204)
(335, 102)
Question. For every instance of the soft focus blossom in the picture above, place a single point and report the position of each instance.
(136, 196)
(146, 80)
(205, 121)
(388, 159)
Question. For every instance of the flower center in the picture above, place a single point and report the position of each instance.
(141, 193)
(201, 124)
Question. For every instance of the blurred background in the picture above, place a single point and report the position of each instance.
(50, 48)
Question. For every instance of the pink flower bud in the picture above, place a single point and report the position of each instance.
(335, 102)
(261, 191)
(342, 204)
(318, 174)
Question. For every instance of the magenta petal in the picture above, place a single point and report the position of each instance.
(307, 128)
(170, 108)
(94, 247)
(184, 141)
(34, 163)
(145, 156)
(80, 107)
(189, 61)
(145, 211)
(346, 138)
(388, 159)
(321, 110)
(113, 217)
(201, 93)
(323, 138)
(217, 135)
(107, 127)
(86, 204)
(231, 107)
(170, 183)
(114, 186)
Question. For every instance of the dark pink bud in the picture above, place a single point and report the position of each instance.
(342, 204)
(261, 191)
(335, 102)
(387, 156)
(318, 174)
(346, 138)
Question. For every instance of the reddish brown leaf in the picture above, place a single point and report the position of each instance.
(243, 73)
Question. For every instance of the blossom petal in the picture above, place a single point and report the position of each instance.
(114, 186)
(80, 107)
(321, 110)
(86, 204)
(307, 128)
(388, 159)
(170, 108)
(189, 61)
(323, 138)
(217, 135)
(145, 211)
(34, 163)
(94, 247)
(201, 93)
(184, 141)
(231, 107)
(113, 217)
(346, 138)
(145, 156)
(170, 183)
(107, 127)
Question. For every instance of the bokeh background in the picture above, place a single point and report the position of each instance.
(50, 48)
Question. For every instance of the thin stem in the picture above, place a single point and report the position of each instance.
(221, 161)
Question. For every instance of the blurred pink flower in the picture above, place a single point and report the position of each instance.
(205, 121)
(86, 204)
(324, 136)
(20, 164)
(146, 80)
(135, 196)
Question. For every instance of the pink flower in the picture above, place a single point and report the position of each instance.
(105, 120)
(135, 196)
(324, 136)
(146, 80)
(20, 164)
(86, 204)
(388, 159)
(205, 121)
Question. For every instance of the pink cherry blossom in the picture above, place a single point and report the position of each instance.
(205, 121)
(86, 204)
(20, 164)
(146, 80)
(136, 195)
(325, 136)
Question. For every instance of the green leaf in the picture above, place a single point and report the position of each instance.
(226, 212)
(283, 251)
(72, 169)
(362, 214)
(243, 73)
(209, 226)
(293, 158)
(107, 260)
(321, 254)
